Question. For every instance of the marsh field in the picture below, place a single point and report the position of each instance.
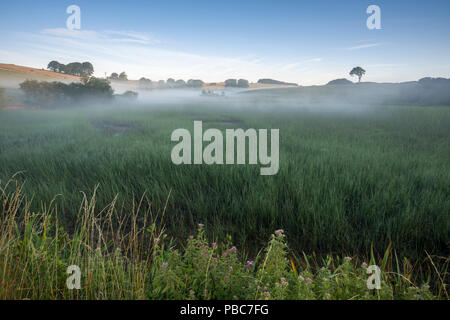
(370, 181)
(350, 177)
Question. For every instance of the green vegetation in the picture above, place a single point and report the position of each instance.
(233, 83)
(74, 68)
(130, 257)
(58, 93)
(115, 76)
(349, 182)
(192, 83)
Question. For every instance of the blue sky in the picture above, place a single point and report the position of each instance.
(308, 42)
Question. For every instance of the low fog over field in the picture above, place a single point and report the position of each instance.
(345, 98)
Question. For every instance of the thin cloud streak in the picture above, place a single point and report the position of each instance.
(106, 36)
(364, 46)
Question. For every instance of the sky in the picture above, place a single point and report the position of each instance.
(306, 42)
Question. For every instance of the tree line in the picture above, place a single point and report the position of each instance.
(146, 83)
(47, 93)
(191, 83)
(80, 69)
(241, 83)
(116, 76)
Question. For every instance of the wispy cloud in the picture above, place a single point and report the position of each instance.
(105, 36)
(364, 46)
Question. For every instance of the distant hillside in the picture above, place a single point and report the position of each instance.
(425, 92)
(272, 81)
(434, 81)
(11, 75)
(339, 82)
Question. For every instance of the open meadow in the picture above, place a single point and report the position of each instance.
(348, 180)
(368, 181)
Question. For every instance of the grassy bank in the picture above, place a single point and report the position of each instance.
(348, 181)
(129, 256)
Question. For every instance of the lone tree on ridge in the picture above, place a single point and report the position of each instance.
(358, 71)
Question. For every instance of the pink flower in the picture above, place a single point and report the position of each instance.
(249, 264)
(308, 280)
(201, 225)
(279, 232)
(156, 240)
(225, 278)
(164, 265)
(191, 292)
(214, 245)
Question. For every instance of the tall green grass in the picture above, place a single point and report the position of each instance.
(348, 182)
(127, 255)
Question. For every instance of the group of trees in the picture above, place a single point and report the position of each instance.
(180, 83)
(47, 93)
(241, 83)
(80, 69)
(191, 83)
(122, 76)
